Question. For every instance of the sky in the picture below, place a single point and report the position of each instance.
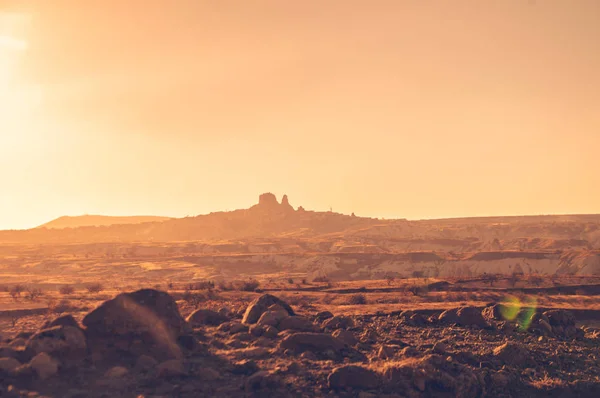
(401, 108)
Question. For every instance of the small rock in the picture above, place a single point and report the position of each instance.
(16, 343)
(440, 348)
(272, 318)
(9, 364)
(270, 332)
(261, 380)
(116, 372)
(353, 376)
(297, 323)
(512, 353)
(206, 317)
(145, 363)
(339, 322)
(346, 336)
(171, 368)
(260, 305)
(44, 366)
(321, 316)
(245, 367)
(385, 352)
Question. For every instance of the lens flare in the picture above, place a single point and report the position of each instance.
(510, 307)
(513, 309)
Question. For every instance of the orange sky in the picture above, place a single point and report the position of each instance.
(415, 109)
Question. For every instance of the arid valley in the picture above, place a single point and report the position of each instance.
(281, 301)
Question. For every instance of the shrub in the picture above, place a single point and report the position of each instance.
(203, 285)
(66, 290)
(327, 299)
(304, 281)
(321, 279)
(34, 293)
(249, 286)
(95, 288)
(357, 299)
(290, 281)
(390, 279)
(16, 290)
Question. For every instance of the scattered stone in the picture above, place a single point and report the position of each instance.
(297, 323)
(262, 380)
(171, 368)
(245, 367)
(512, 353)
(339, 322)
(346, 336)
(323, 315)
(18, 342)
(315, 342)
(59, 341)
(44, 366)
(64, 320)
(272, 318)
(256, 330)
(9, 364)
(145, 364)
(352, 376)
(206, 317)
(261, 305)
(385, 352)
(471, 316)
(116, 372)
(270, 332)
(440, 348)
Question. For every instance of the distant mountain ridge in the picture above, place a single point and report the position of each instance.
(274, 220)
(89, 220)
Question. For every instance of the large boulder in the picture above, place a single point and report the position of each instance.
(58, 341)
(146, 322)
(260, 305)
(203, 316)
(354, 377)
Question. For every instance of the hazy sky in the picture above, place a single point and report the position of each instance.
(399, 108)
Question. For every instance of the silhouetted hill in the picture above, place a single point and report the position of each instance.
(98, 221)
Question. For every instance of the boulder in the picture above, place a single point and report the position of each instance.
(59, 341)
(202, 317)
(261, 305)
(144, 322)
(352, 376)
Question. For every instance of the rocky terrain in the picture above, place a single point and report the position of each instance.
(145, 343)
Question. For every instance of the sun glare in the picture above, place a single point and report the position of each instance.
(17, 99)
